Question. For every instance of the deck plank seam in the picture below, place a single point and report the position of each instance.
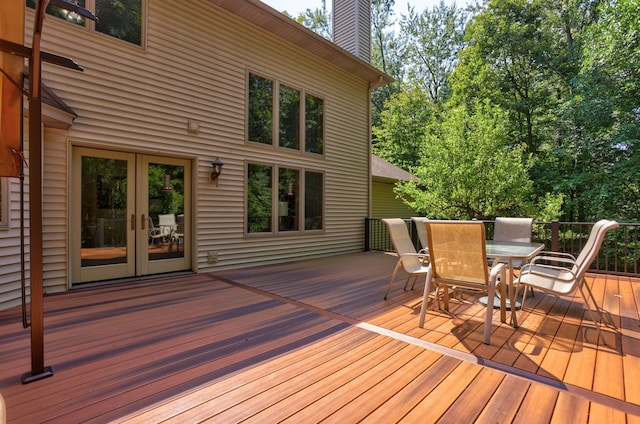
(527, 376)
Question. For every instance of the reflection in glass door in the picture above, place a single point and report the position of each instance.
(104, 211)
(167, 205)
(102, 214)
(130, 217)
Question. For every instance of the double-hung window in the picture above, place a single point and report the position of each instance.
(284, 116)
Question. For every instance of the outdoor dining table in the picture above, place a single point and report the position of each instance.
(511, 252)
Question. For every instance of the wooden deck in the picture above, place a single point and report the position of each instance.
(314, 341)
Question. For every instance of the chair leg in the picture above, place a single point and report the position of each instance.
(524, 288)
(592, 316)
(489, 318)
(406, 283)
(393, 277)
(524, 295)
(446, 297)
(593, 299)
(415, 280)
(425, 298)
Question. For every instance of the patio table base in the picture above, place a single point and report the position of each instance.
(496, 302)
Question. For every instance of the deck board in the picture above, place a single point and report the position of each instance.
(315, 340)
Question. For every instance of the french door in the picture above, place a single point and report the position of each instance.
(130, 215)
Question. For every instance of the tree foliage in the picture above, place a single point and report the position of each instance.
(512, 107)
(317, 20)
(434, 39)
(386, 54)
(405, 120)
(468, 169)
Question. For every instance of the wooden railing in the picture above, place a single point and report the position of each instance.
(619, 254)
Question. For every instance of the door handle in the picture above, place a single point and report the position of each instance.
(142, 222)
(133, 222)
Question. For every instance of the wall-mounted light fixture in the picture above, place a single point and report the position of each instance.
(217, 170)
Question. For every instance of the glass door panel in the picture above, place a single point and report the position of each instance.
(129, 215)
(104, 211)
(165, 209)
(102, 240)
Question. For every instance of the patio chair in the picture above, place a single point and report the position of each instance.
(513, 229)
(414, 263)
(156, 237)
(517, 230)
(562, 273)
(458, 257)
(421, 230)
(177, 237)
(167, 224)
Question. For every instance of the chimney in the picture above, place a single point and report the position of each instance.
(352, 27)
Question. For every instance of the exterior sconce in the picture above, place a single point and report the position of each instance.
(217, 170)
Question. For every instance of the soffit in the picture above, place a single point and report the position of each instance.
(269, 19)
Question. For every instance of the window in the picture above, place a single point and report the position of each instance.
(264, 213)
(121, 19)
(299, 116)
(289, 118)
(313, 200)
(288, 195)
(62, 13)
(260, 110)
(314, 124)
(259, 204)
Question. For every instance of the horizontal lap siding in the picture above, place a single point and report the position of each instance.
(194, 66)
(385, 204)
(10, 268)
(54, 211)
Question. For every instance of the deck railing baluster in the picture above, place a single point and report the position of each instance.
(620, 253)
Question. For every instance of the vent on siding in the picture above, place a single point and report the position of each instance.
(352, 27)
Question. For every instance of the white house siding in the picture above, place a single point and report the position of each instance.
(54, 211)
(10, 269)
(194, 67)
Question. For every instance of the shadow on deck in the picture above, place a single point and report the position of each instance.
(314, 340)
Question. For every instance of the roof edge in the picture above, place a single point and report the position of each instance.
(271, 20)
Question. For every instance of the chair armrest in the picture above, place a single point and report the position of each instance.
(423, 257)
(566, 258)
(554, 255)
(529, 269)
(495, 270)
(413, 254)
(419, 255)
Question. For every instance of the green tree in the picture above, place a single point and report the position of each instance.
(403, 125)
(469, 169)
(605, 112)
(386, 55)
(433, 39)
(506, 61)
(318, 20)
